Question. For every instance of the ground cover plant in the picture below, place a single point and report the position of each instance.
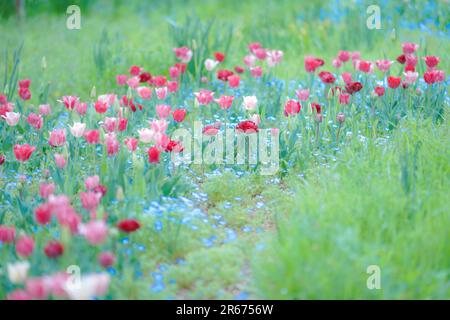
(126, 137)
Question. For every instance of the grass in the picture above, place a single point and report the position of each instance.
(384, 205)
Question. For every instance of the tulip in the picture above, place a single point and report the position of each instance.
(46, 189)
(233, 81)
(60, 160)
(7, 234)
(92, 136)
(25, 246)
(144, 92)
(57, 137)
(250, 103)
(131, 143)
(95, 231)
(54, 249)
(179, 115)
(225, 102)
(35, 120)
(106, 259)
(70, 102)
(43, 213)
(153, 154)
(183, 53)
(210, 64)
(128, 225)
(77, 129)
(163, 111)
(292, 107)
(161, 93)
(89, 286)
(23, 152)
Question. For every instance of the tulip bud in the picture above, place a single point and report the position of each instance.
(340, 117)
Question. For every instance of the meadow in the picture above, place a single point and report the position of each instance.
(93, 205)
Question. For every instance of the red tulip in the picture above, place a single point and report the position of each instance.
(43, 213)
(327, 77)
(247, 126)
(7, 234)
(219, 56)
(54, 249)
(394, 82)
(379, 91)
(179, 115)
(353, 87)
(153, 154)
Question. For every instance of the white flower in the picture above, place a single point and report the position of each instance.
(210, 64)
(250, 102)
(18, 272)
(77, 129)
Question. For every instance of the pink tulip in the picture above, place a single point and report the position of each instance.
(179, 115)
(256, 72)
(225, 102)
(274, 57)
(233, 81)
(92, 182)
(161, 93)
(144, 92)
(110, 124)
(60, 161)
(7, 234)
(409, 47)
(183, 53)
(131, 143)
(163, 111)
(204, 96)
(81, 108)
(383, 65)
(46, 189)
(35, 120)
(70, 102)
(12, 118)
(90, 200)
(106, 259)
(45, 109)
(133, 82)
(172, 86)
(302, 94)
(112, 144)
(25, 246)
(121, 79)
(344, 56)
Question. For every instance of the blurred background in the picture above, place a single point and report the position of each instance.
(116, 34)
